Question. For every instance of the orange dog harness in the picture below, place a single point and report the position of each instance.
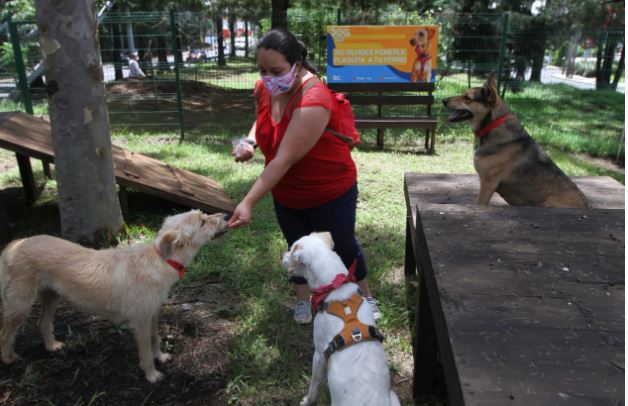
(354, 331)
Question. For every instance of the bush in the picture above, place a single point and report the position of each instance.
(585, 68)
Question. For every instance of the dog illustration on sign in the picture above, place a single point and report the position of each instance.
(422, 65)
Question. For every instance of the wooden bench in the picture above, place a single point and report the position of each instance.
(385, 95)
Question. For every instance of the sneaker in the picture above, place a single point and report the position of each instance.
(375, 307)
(302, 312)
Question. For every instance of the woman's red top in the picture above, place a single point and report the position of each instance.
(326, 171)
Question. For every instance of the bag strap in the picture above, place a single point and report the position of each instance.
(306, 86)
(297, 97)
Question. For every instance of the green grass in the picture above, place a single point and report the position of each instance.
(271, 357)
(557, 115)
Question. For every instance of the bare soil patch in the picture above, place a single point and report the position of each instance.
(100, 360)
(208, 109)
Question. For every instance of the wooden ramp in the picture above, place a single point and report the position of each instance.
(30, 136)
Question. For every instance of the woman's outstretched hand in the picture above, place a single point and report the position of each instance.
(241, 215)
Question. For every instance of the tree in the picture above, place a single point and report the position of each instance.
(612, 36)
(88, 203)
(280, 13)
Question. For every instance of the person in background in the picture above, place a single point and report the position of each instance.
(134, 67)
(308, 170)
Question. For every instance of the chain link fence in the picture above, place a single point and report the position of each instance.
(200, 69)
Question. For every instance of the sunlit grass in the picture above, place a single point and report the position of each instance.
(272, 355)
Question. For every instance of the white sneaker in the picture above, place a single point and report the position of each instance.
(374, 307)
(302, 312)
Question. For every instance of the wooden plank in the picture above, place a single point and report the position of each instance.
(527, 303)
(442, 188)
(525, 251)
(396, 122)
(362, 100)
(546, 353)
(30, 136)
(34, 143)
(382, 87)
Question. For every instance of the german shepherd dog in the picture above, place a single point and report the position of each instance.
(507, 159)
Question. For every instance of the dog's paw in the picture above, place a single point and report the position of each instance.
(154, 376)
(163, 357)
(54, 346)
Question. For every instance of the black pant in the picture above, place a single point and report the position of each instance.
(337, 217)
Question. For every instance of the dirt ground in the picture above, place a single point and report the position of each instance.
(100, 361)
(99, 364)
(207, 109)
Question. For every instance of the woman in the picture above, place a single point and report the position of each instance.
(309, 171)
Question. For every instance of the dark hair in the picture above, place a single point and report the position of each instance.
(284, 42)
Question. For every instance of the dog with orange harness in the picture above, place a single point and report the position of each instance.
(346, 342)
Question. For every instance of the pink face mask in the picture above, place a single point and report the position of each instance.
(280, 84)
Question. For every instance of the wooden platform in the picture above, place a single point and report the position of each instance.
(523, 305)
(30, 136)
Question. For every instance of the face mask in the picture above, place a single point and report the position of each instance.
(280, 84)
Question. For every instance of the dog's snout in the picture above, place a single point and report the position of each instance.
(445, 101)
(226, 217)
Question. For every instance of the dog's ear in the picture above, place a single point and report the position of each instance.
(167, 243)
(327, 238)
(295, 258)
(489, 93)
(430, 32)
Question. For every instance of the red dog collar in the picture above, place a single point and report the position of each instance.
(178, 266)
(490, 126)
(319, 294)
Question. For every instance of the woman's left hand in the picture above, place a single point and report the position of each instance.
(241, 215)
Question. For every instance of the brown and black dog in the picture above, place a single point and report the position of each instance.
(507, 159)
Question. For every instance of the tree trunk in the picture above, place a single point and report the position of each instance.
(220, 38)
(162, 52)
(570, 59)
(246, 38)
(130, 37)
(116, 49)
(537, 66)
(604, 74)
(280, 13)
(88, 203)
(232, 30)
(620, 67)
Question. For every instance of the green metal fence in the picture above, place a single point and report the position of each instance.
(200, 69)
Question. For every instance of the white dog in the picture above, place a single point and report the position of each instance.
(357, 373)
(121, 284)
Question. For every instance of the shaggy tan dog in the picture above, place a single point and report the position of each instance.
(121, 284)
